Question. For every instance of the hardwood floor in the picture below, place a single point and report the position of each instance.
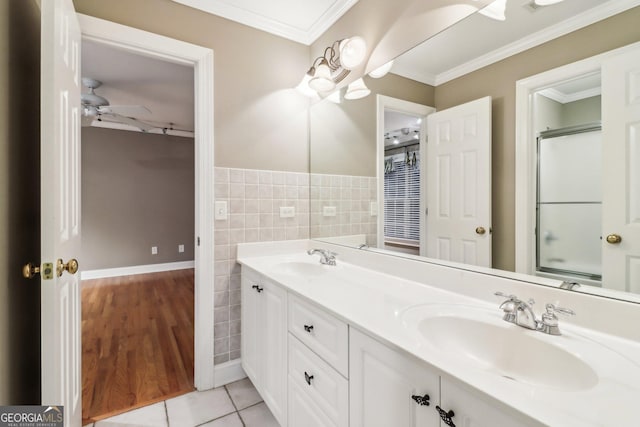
(137, 341)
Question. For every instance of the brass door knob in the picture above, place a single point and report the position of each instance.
(614, 239)
(29, 271)
(71, 266)
(480, 230)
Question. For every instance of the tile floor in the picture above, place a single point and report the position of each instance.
(235, 405)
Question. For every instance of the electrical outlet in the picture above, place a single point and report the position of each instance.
(154, 250)
(180, 248)
(329, 211)
(373, 208)
(287, 211)
(220, 210)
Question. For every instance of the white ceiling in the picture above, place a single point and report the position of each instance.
(302, 21)
(479, 41)
(165, 88)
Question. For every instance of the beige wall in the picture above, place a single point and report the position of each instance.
(586, 110)
(20, 201)
(498, 81)
(257, 111)
(137, 192)
(343, 136)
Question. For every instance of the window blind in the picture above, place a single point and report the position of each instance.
(402, 200)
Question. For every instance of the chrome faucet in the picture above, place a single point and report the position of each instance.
(326, 257)
(569, 285)
(521, 313)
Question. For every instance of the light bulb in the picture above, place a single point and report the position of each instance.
(352, 52)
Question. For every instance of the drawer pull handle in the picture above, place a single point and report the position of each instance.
(308, 328)
(421, 400)
(308, 377)
(257, 288)
(446, 416)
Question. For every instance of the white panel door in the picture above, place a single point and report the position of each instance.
(60, 207)
(384, 385)
(621, 171)
(459, 183)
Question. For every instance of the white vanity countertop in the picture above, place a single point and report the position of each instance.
(376, 303)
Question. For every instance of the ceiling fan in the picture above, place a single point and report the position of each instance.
(96, 107)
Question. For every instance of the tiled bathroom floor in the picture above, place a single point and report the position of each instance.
(235, 405)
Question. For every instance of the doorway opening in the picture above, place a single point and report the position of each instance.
(200, 60)
(138, 188)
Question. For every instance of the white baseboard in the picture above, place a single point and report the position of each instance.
(136, 269)
(228, 372)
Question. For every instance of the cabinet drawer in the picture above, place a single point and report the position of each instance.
(327, 336)
(303, 411)
(322, 384)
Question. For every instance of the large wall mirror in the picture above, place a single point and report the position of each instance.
(380, 182)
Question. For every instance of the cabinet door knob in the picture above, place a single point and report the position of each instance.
(421, 400)
(308, 377)
(308, 328)
(446, 416)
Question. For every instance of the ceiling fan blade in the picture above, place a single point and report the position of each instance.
(145, 127)
(125, 110)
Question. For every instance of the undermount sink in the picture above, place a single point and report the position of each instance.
(300, 268)
(483, 340)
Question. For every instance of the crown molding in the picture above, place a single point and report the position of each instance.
(244, 16)
(563, 98)
(584, 19)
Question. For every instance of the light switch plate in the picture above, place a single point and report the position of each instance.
(287, 211)
(154, 250)
(220, 211)
(180, 248)
(329, 211)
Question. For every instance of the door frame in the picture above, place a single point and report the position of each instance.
(526, 155)
(201, 59)
(414, 109)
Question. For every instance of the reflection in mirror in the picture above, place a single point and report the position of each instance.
(401, 167)
(568, 229)
(343, 136)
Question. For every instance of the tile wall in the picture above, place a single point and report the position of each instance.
(355, 201)
(254, 198)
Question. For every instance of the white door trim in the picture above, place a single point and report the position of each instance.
(201, 58)
(526, 149)
(411, 108)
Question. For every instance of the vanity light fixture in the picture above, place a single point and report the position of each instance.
(381, 71)
(357, 90)
(333, 66)
(334, 97)
(495, 10)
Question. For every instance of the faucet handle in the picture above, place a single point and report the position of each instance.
(552, 309)
(508, 297)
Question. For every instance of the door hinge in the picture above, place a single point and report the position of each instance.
(198, 242)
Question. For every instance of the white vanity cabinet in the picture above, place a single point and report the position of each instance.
(384, 385)
(264, 340)
(318, 367)
(470, 410)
